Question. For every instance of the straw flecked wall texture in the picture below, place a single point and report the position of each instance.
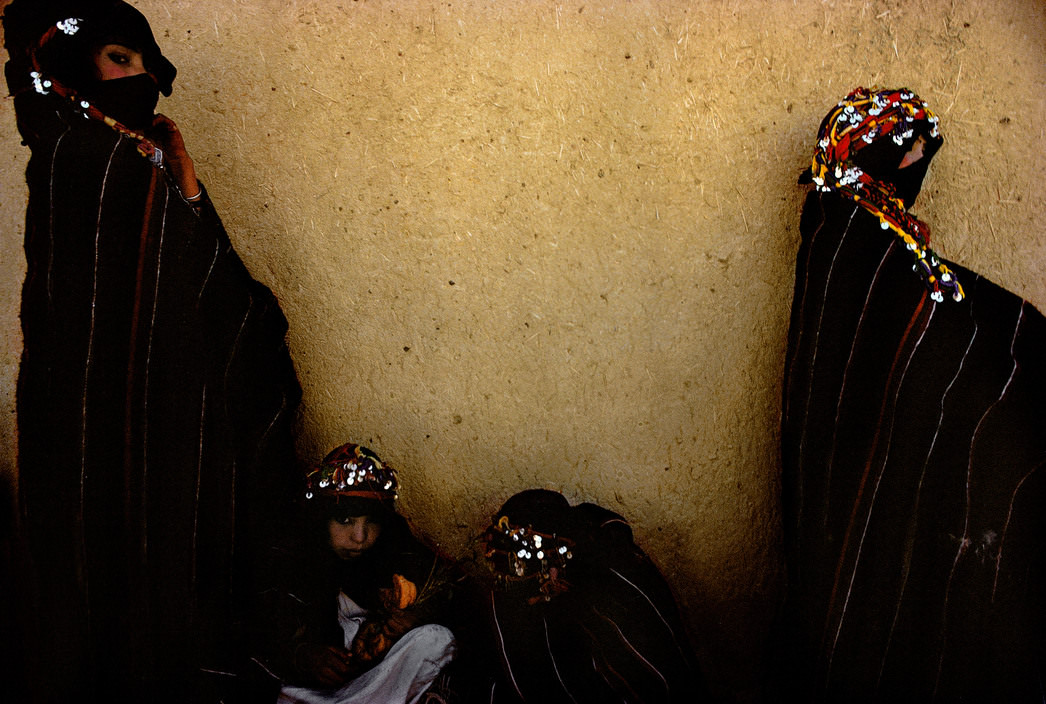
(552, 244)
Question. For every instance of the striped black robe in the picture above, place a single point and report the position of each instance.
(155, 401)
(913, 445)
(615, 635)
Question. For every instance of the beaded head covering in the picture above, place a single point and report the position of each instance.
(352, 471)
(64, 50)
(877, 125)
(530, 539)
(62, 63)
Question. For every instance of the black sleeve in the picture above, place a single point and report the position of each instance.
(293, 606)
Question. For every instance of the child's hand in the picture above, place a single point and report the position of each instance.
(324, 664)
(377, 635)
(402, 594)
(371, 642)
(399, 622)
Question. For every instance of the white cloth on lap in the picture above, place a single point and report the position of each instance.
(403, 675)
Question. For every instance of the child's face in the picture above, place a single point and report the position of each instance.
(353, 535)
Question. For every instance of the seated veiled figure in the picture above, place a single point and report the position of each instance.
(577, 612)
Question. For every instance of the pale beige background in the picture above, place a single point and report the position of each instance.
(552, 243)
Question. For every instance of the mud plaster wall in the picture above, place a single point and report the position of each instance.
(552, 244)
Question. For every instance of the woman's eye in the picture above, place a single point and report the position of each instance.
(119, 58)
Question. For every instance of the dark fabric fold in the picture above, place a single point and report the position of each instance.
(611, 630)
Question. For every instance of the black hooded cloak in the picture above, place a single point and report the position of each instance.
(913, 449)
(155, 401)
(583, 615)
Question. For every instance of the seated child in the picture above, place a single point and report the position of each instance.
(349, 614)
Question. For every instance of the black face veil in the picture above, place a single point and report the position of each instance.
(858, 155)
(882, 161)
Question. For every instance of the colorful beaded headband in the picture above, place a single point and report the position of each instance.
(352, 470)
(857, 121)
(520, 552)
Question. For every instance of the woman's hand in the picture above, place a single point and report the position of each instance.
(324, 664)
(167, 136)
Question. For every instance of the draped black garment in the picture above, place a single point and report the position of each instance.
(155, 401)
(913, 447)
(614, 635)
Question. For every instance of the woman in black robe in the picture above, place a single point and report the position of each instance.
(155, 393)
(912, 441)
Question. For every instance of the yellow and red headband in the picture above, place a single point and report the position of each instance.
(862, 118)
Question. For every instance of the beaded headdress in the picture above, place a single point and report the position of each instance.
(859, 120)
(352, 470)
(517, 553)
(67, 43)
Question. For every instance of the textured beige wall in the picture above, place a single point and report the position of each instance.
(552, 243)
